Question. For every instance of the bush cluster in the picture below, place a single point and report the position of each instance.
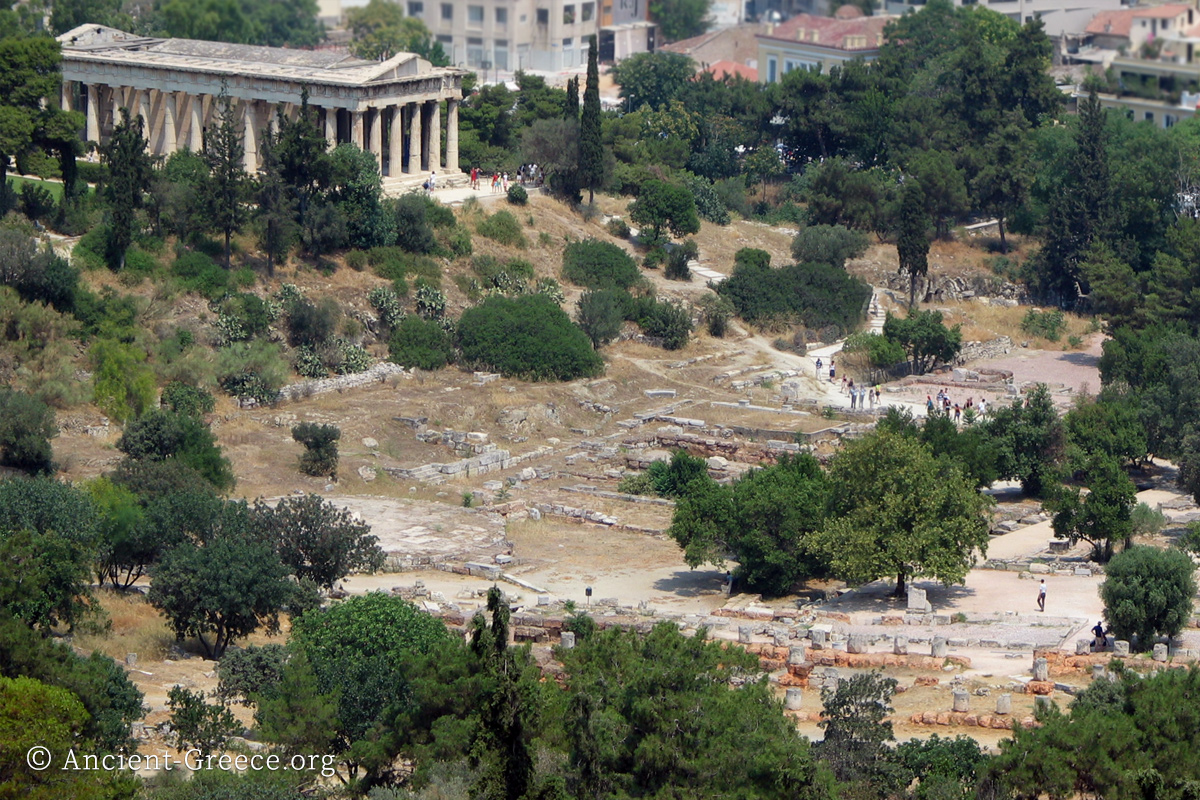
(528, 336)
(320, 457)
(1046, 324)
(504, 228)
(599, 265)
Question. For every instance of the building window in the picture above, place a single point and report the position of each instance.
(474, 52)
(475, 16)
(1168, 120)
(568, 15)
(500, 54)
(543, 16)
(771, 70)
(501, 17)
(1149, 117)
(448, 12)
(568, 43)
(587, 11)
(416, 8)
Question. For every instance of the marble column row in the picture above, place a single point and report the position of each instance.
(405, 138)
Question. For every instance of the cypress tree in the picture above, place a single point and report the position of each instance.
(226, 186)
(571, 106)
(591, 146)
(913, 244)
(129, 171)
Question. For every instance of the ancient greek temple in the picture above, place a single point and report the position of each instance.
(392, 109)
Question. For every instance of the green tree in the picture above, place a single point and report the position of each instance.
(129, 174)
(424, 344)
(1031, 440)
(1148, 592)
(571, 103)
(320, 457)
(599, 265)
(227, 188)
(1109, 426)
(764, 521)
(160, 435)
(897, 510)
(1001, 186)
(317, 540)
(857, 732)
(912, 246)
(276, 206)
(45, 579)
(67, 15)
(944, 186)
(761, 167)
(591, 145)
(652, 79)
(680, 19)
(124, 385)
(357, 189)
(26, 428)
(828, 244)
(381, 30)
(251, 673)
(199, 725)
(924, 337)
(125, 548)
(1101, 518)
(665, 206)
(600, 314)
(528, 336)
(29, 73)
(650, 714)
(226, 590)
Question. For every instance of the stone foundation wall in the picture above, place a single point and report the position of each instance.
(376, 374)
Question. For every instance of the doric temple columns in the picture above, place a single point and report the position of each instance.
(415, 149)
(250, 137)
(452, 135)
(93, 114)
(435, 134)
(195, 122)
(375, 123)
(356, 129)
(168, 123)
(331, 126)
(396, 142)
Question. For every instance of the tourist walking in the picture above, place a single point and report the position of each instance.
(819, 368)
(832, 370)
(1042, 595)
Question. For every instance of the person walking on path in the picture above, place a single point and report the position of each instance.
(853, 397)
(819, 365)
(1042, 595)
(832, 371)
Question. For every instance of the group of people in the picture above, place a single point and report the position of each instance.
(945, 405)
(498, 181)
(861, 396)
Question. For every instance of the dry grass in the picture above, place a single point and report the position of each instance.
(981, 322)
(135, 626)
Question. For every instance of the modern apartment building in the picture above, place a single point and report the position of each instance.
(810, 42)
(1060, 16)
(507, 35)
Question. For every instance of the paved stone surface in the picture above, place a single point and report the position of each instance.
(417, 534)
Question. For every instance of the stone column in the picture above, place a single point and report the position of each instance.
(375, 119)
(250, 137)
(961, 701)
(938, 648)
(93, 113)
(142, 109)
(356, 129)
(196, 123)
(452, 136)
(396, 142)
(67, 95)
(169, 134)
(118, 102)
(331, 115)
(415, 162)
(1004, 704)
(435, 135)
(793, 699)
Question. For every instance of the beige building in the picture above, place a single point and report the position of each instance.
(393, 109)
(810, 42)
(509, 35)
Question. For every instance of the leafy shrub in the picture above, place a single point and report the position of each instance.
(356, 260)
(716, 311)
(243, 316)
(37, 275)
(656, 256)
(351, 358)
(91, 172)
(430, 302)
(252, 370)
(601, 313)
(459, 242)
(1148, 592)
(528, 336)
(814, 294)
(550, 288)
(1074, 341)
(162, 435)
(191, 401)
(670, 322)
(124, 385)
(1046, 324)
(637, 483)
(312, 324)
(677, 261)
(199, 273)
(672, 478)
(89, 251)
(414, 232)
(26, 427)
(517, 195)
(619, 228)
(1146, 520)
(198, 725)
(881, 351)
(708, 203)
(599, 265)
(828, 244)
(420, 343)
(320, 457)
(37, 202)
(504, 228)
(253, 670)
(393, 264)
(386, 305)
(310, 364)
